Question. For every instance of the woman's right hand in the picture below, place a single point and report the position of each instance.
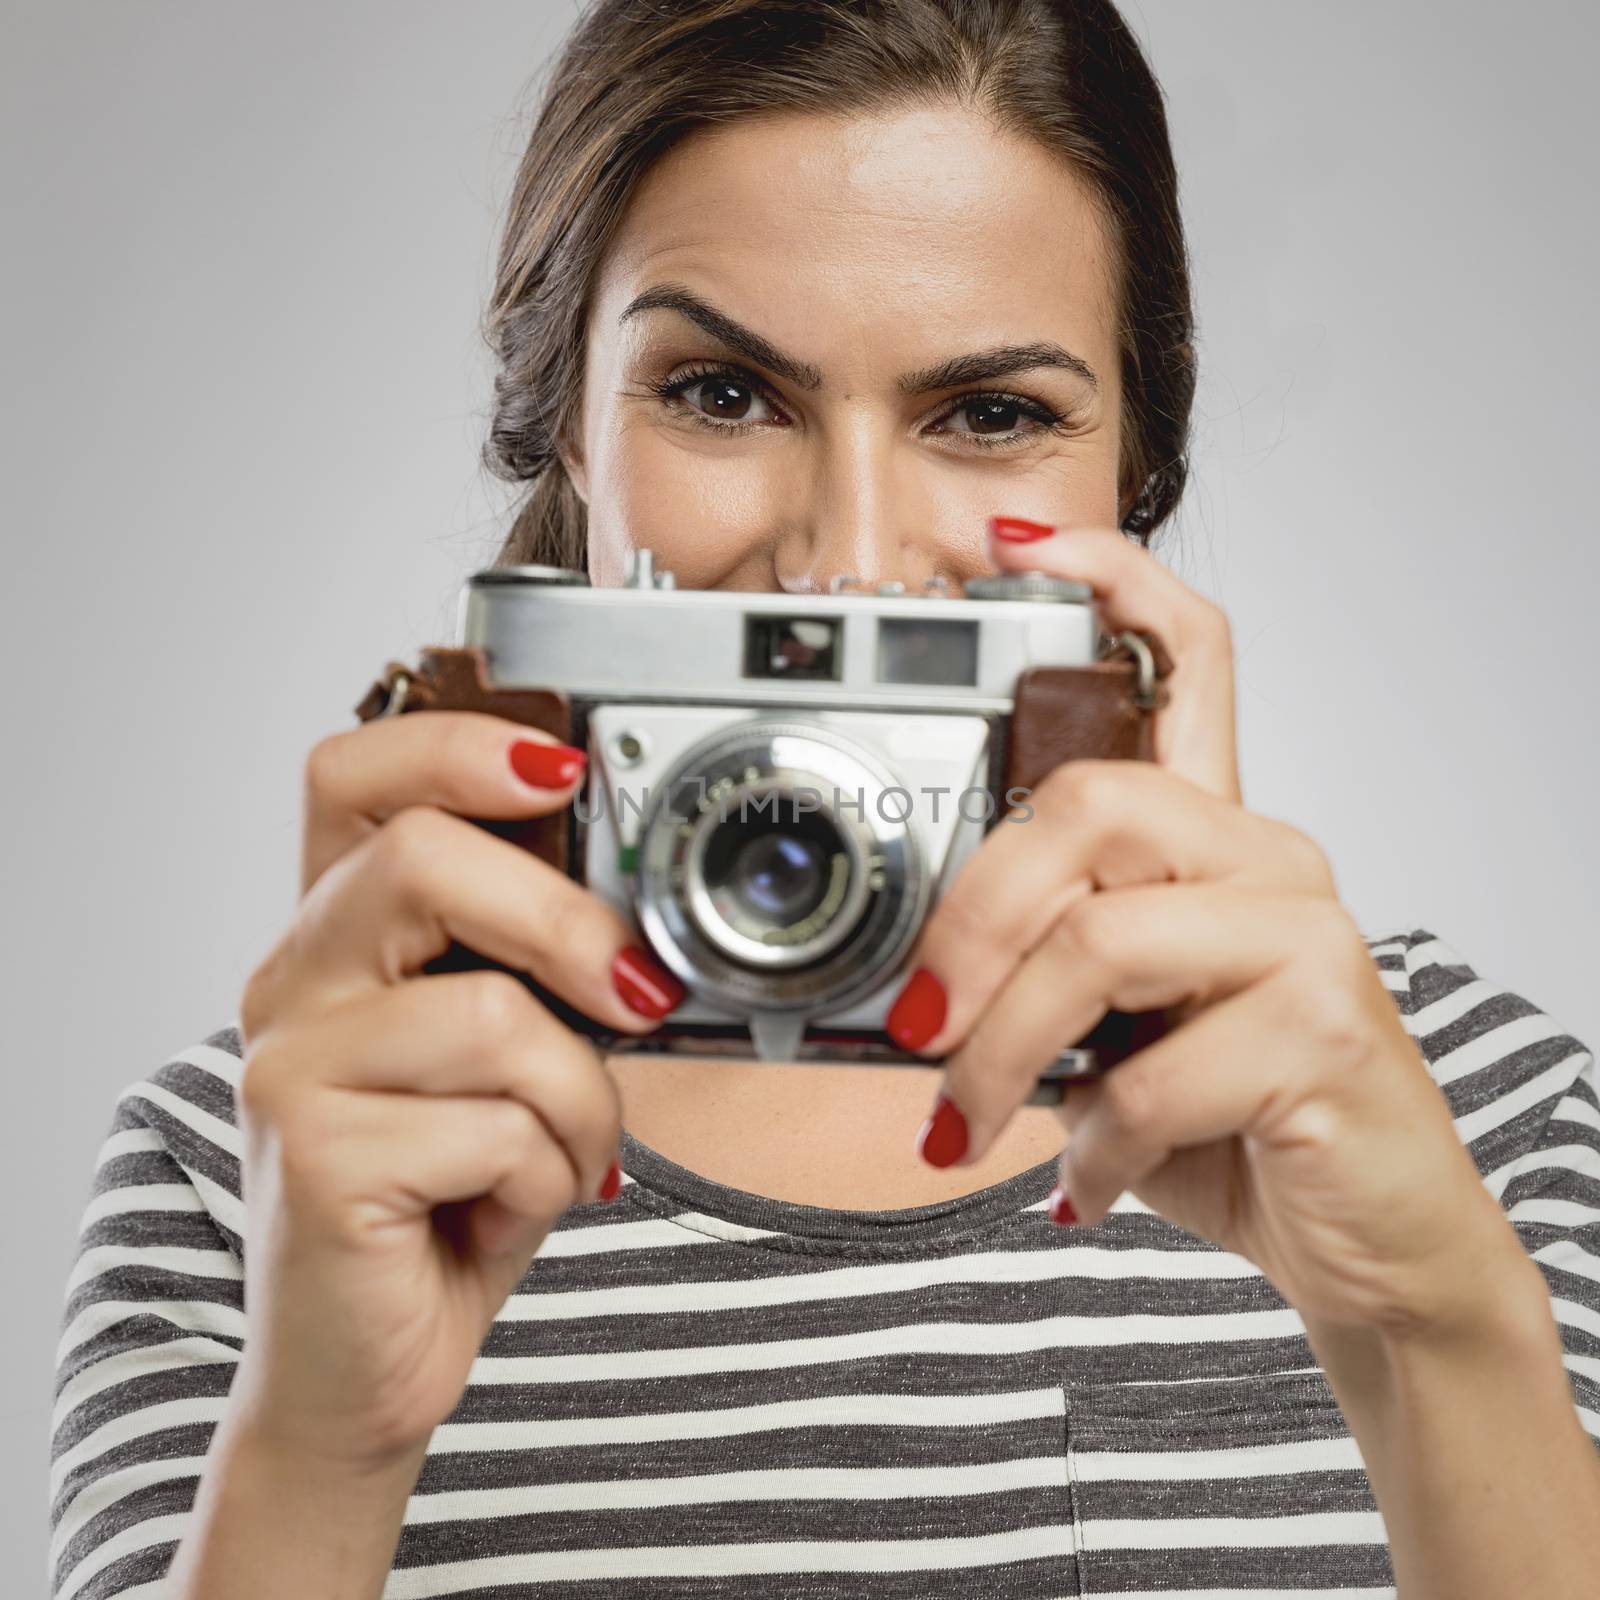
(410, 1138)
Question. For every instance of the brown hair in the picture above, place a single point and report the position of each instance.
(637, 76)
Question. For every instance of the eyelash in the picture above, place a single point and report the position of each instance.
(671, 391)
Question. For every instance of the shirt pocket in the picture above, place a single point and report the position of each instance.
(1220, 1484)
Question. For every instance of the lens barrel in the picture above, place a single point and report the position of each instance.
(770, 874)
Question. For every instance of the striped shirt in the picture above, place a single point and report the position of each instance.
(696, 1390)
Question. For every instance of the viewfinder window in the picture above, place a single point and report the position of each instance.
(801, 648)
(933, 651)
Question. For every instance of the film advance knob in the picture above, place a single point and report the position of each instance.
(554, 577)
(1027, 586)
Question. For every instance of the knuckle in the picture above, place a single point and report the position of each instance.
(553, 1187)
(272, 1105)
(410, 845)
(588, 1130)
(256, 1003)
(1056, 792)
(307, 1153)
(1333, 934)
(1127, 1102)
(495, 1006)
(1340, 1026)
(1098, 926)
(540, 1174)
(1085, 786)
(522, 1135)
(1330, 1014)
(1308, 861)
(1217, 622)
(324, 766)
(259, 1083)
(1208, 629)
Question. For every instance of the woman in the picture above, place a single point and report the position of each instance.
(1302, 1300)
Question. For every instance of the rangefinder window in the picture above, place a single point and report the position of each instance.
(792, 647)
(917, 650)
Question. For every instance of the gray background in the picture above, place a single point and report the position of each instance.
(246, 249)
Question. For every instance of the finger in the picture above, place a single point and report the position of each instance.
(1205, 1082)
(1136, 949)
(467, 762)
(468, 1033)
(393, 904)
(1195, 732)
(1211, 1079)
(488, 1158)
(409, 1155)
(1094, 825)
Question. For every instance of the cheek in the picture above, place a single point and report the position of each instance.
(1089, 481)
(1075, 486)
(703, 512)
(944, 506)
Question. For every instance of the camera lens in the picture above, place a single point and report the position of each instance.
(768, 870)
(776, 873)
(779, 876)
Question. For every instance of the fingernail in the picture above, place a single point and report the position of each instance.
(644, 984)
(943, 1140)
(611, 1184)
(547, 766)
(1061, 1212)
(1018, 530)
(918, 1012)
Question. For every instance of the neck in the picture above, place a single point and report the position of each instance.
(836, 1136)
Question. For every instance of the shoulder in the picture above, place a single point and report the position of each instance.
(180, 1124)
(1507, 1068)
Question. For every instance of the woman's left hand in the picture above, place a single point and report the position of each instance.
(1288, 1117)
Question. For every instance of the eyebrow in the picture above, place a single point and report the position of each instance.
(972, 368)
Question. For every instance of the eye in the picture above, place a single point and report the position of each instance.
(723, 398)
(994, 419)
(727, 399)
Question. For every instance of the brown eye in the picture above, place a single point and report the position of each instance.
(723, 398)
(994, 421)
(992, 416)
(716, 398)
(984, 415)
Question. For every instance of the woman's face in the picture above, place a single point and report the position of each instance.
(871, 334)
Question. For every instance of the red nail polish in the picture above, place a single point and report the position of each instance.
(918, 1012)
(644, 984)
(547, 766)
(611, 1184)
(943, 1139)
(1061, 1212)
(1018, 530)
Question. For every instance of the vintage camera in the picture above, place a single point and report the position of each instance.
(780, 787)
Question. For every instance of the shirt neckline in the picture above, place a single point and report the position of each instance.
(664, 1187)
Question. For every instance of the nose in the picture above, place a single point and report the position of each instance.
(857, 511)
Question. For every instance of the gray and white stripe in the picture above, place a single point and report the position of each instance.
(694, 1389)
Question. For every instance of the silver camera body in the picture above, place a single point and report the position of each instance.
(781, 787)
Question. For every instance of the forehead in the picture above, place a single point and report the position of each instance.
(928, 220)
